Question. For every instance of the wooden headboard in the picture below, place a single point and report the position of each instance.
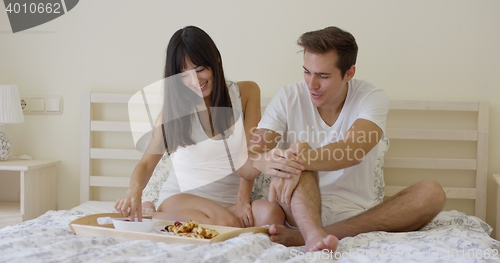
(426, 142)
(445, 141)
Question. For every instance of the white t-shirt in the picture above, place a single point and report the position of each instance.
(292, 114)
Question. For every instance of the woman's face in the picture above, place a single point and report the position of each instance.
(202, 82)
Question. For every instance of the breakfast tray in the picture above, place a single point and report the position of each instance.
(88, 226)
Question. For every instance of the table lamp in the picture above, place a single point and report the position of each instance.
(10, 112)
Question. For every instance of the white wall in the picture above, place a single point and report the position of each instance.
(429, 50)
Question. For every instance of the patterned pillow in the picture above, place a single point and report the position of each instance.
(159, 176)
(378, 173)
(261, 186)
(457, 219)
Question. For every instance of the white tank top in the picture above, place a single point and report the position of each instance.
(204, 169)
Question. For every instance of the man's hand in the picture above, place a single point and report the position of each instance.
(278, 163)
(243, 212)
(281, 190)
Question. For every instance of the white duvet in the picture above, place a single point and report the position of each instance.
(450, 237)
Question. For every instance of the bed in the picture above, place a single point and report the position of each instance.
(448, 142)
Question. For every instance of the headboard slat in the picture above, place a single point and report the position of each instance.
(429, 134)
(113, 126)
(483, 120)
(434, 105)
(85, 144)
(109, 181)
(116, 154)
(430, 163)
(119, 126)
(109, 98)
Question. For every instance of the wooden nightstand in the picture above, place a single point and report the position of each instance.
(28, 188)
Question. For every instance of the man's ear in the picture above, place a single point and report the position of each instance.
(349, 74)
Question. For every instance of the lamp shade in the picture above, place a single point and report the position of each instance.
(10, 105)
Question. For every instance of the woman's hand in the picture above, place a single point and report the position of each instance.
(281, 190)
(243, 212)
(278, 163)
(130, 204)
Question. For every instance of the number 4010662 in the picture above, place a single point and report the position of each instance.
(33, 8)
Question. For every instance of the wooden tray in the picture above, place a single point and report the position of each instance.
(88, 226)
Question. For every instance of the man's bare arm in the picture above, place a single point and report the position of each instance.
(361, 137)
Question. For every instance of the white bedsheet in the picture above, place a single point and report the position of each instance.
(95, 207)
(48, 238)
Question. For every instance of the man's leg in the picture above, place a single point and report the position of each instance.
(305, 210)
(408, 210)
(267, 213)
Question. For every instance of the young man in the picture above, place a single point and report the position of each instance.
(331, 124)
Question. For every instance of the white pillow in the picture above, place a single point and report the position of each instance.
(159, 176)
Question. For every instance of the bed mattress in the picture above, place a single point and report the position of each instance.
(451, 237)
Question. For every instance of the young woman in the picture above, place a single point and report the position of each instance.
(204, 121)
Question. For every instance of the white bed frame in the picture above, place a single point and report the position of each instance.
(399, 163)
(478, 135)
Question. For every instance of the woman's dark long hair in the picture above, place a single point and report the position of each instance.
(193, 43)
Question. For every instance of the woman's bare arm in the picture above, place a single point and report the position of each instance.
(250, 97)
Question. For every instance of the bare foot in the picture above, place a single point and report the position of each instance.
(288, 237)
(330, 242)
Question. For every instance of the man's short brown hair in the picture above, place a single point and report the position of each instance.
(332, 38)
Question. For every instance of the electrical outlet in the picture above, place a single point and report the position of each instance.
(25, 104)
(43, 104)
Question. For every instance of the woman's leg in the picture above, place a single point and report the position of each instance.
(184, 207)
(267, 213)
